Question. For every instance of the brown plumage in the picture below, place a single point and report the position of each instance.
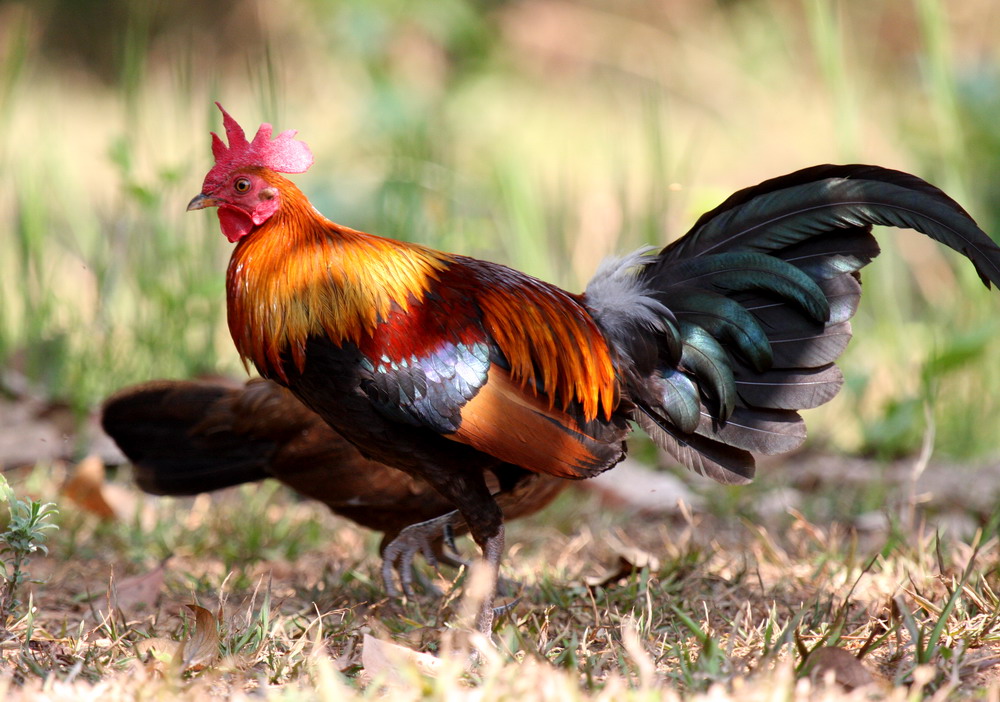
(453, 369)
(188, 437)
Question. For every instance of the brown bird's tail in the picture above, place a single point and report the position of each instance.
(184, 437)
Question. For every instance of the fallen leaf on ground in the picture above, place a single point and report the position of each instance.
(846, 668)
(386, 659)
(630, 559)
(624, 569)
(159, 653)
(202, 647)
(85, 487)
(198, 651)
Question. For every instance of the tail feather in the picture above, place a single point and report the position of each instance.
(843, 294)
(827, 171)
(760, 294)
(833, 254)
(725, 319)
(165, 428)
(678, 398)
(708, 361)
(767, 431)
(784, 211)
(798, 349)
(735, 272)
(788, 388)
(798, 342)
(713, 459)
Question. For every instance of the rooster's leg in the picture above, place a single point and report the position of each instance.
(492, 548)
(467, 490)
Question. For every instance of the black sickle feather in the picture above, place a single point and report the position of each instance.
(781, 218)
(789, 388)
(763, 288)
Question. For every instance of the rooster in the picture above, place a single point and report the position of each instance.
(451, 368)
(188, 437)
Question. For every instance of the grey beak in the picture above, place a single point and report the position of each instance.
(202, 201)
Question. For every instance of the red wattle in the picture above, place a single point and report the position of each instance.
(235, 223)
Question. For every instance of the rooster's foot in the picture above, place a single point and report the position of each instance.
(424, 538)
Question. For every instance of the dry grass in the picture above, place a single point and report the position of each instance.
(723, 606)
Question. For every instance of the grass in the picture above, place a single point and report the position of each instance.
(544, 135)
(721, 603)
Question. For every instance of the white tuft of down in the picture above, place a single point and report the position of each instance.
(620, 301)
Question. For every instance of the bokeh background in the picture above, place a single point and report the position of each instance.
(544, 134)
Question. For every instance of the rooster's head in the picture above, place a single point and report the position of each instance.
(241, 184)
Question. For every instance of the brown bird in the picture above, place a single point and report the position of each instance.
(188, 437)
(452, 368)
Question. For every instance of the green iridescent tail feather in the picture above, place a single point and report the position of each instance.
(760, 294)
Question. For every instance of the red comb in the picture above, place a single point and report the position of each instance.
(284, 154)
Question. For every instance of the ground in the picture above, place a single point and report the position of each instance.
(621, 590)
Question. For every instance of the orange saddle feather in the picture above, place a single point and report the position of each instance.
(516, 426)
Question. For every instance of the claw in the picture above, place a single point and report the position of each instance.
(399, 553)
(449, 537)
(506, 608)
(398, 556)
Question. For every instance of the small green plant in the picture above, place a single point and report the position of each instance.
(704, 661)
(25, 535)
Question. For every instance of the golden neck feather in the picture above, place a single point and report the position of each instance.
(300, 275)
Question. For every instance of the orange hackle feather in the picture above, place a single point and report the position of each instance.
(301, 275)
(549, 339)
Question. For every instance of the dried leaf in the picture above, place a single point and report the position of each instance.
(137, 592)
(202, 647)
(624, 569)
(85, 487)
(630, 560)
(386, 659)
(199, 650)
(637, 557)
(157, 654)
(847, 670)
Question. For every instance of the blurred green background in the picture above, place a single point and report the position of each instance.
(544, 134)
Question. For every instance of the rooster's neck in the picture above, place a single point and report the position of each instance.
(300, 275)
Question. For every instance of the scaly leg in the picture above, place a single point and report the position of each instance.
(492, 548)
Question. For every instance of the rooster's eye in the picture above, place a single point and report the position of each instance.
(241, 185)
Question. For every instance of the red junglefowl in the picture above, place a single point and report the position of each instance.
(188, 437)
(450, 368)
